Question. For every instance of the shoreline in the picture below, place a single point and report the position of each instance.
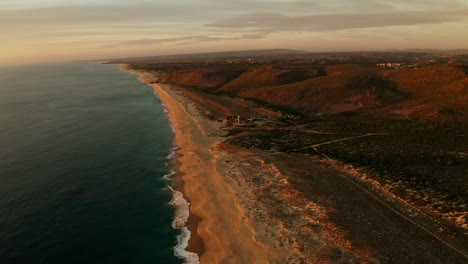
(195, 243)
(188, 241)
(218, 222)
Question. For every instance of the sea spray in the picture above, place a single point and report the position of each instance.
(180, 222)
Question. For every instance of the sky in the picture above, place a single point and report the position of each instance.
(35, 31)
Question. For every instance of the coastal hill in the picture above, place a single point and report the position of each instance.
(437, 92)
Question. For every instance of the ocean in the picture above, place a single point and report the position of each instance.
(83, 153)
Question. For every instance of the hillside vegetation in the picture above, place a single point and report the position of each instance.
(437, 93)
(200, 77)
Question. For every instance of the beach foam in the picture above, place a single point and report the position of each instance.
(181, 216)
(180, 222)
(168, 176)
(180, 219)
(173, 152)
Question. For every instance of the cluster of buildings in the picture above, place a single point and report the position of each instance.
(238, 119)
(394, 65)
(249, 121)
(412, 65)
(283, 60)
(244, 60)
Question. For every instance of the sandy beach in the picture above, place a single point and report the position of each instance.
(220, 231)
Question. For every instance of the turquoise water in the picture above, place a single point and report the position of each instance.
(83, 148)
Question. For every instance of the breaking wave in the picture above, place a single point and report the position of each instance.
(180, 222)
(182, 213)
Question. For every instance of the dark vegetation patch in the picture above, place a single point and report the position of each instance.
(463, 58)
(285, 140)
(358, 122)
(200, 77)
(297, 74)
(294, 76)
(385, 90)
(208, 90)
(437, 162)
(463, 68)
(281, 108)
(288, 110)
(234, 132)
(424, 156)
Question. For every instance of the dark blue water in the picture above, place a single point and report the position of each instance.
(83, 148)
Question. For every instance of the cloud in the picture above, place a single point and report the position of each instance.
(306, 4)
(42, 26)
(119, 14)
(274, 22)
(186, 40)
(299, 6)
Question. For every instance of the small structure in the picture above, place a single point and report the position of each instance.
(238, 119)
(394, 65)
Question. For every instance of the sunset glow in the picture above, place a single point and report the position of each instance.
(54, 30)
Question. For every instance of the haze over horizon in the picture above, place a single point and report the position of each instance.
(56, 30)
